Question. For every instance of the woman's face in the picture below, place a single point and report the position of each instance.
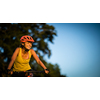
(28, 45)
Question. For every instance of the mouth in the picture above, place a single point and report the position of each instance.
(28, 47)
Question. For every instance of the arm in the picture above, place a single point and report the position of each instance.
(13, 58)
(37, 59)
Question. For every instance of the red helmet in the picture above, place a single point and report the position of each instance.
(26, 38)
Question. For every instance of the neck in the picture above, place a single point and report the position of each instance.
(24, 50)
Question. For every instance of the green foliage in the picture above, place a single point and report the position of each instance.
(10, 34)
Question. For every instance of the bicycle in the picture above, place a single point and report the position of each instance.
(26, 73)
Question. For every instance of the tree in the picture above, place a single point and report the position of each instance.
(10, 34)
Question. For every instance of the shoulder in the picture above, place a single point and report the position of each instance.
(32, 51)
(17, 50)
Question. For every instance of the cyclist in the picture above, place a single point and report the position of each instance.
(21, 57)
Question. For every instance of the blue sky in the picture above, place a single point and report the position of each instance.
(76, 49)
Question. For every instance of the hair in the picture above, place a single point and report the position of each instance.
(21, 45)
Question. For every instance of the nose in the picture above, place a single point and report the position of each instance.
(30, 44)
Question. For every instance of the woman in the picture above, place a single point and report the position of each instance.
(21, 57)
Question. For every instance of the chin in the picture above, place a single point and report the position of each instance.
(28, 48)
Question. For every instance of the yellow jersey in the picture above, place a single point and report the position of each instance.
(22, 64)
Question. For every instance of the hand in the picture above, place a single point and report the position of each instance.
(10, 72)
(31, 74)
(47, 71)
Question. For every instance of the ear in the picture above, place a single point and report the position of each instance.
(22, 44)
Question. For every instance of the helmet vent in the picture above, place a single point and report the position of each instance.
(24, 38)
(28, 37)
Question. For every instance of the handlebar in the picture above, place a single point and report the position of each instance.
(31, 71)
(27, 72)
